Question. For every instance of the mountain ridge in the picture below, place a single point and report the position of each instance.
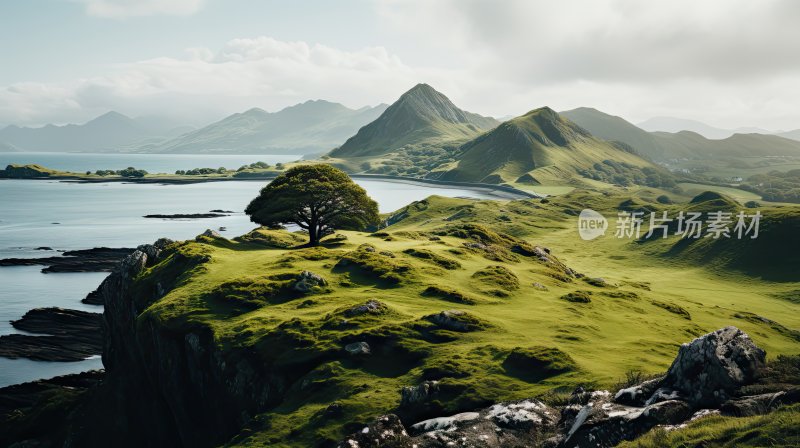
(421, 115)
(313, 126)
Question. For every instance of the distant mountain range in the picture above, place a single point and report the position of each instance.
(109, 132)
(660, 146)
(675, 125)
(310, 127)
(420, 116)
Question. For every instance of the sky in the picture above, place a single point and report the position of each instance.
(728, 63)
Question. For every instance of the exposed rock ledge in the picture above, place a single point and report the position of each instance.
(66, 335)
(99, 259)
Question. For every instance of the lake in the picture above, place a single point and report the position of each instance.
(70, 215)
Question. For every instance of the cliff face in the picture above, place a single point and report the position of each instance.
(172, 387)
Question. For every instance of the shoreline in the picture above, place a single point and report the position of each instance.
(502, 191)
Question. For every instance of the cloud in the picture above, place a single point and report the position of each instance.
(119, 9)
(248, 72)
(706, 60)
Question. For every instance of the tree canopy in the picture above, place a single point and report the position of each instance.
(318, 198)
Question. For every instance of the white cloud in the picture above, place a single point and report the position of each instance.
(263, 72)
(729, 62)
(136, 8)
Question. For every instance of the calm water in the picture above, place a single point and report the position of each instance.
(65, 215)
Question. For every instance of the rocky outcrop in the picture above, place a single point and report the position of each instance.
(189, 392)
(708, 369)
(61, 335)
(717, 365)
(308, 281)
(520, 423)
(100, 259)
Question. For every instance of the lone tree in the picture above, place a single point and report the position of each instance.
(318, 198)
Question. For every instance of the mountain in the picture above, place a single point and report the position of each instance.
(310, 127)
(420, 116)
(792, 135)
(661, 146)
(542, 146)
(673, 125)
(612, 127)
(111, 131)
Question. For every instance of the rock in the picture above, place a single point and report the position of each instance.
(522, 415)
(412, 395)
(357, 348)
(307, 281)
(637, 395)
(603, 423)
(42, 415)
(187, 216)
(66, 335)
(100, 259)
(369, 307)
(759, 404)
(44, 248)
(708, 369)
(454, 320)
(386, 432)
(513, 424)
(210, 234)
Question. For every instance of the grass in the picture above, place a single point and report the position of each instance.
(781, 428)
(510, 340)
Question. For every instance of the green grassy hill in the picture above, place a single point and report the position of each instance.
(542, 147)
(456, 291)
(421, 116)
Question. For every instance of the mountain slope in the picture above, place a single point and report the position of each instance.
(421, 115)
(612, 127)
(542, 145)
(662, 146)
(792, 135)
(673, 125)
(313, 126)
(110, 131)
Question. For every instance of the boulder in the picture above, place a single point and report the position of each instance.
(759, 404)
(602, 423)
(357, 348)
(708, 369)
(386, 431)
(369, 307)
(637, 395)
(307, 281)
(421, 393)
(211, 234)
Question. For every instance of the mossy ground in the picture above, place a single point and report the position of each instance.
(648, 303)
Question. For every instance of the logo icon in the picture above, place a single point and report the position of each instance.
(591, 224)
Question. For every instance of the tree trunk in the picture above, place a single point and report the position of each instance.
(313, 235)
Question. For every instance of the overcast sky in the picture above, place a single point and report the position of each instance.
(728, 63)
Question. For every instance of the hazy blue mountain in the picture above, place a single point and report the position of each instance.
(310, 127)
(614, 128)
(794, 135)
(111, 131)
(420, 116)
(674, 125)
(661, 146)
